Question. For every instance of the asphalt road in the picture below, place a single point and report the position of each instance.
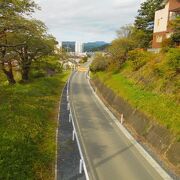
(109, 155)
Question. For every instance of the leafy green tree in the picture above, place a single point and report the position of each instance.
(175, 25)
(140, 38)
(35, 44)
(136, 35)
(119, 48)
(6, 57)
(99, 63)
(11, 12)
(145, 18)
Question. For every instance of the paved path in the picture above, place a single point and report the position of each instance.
(68, 153)
(109, 155)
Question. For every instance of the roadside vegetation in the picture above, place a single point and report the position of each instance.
(31, 81)
(28, 124)
(84, 60)
(149, 82)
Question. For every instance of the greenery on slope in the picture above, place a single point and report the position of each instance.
(160, 108)
(148, 81)
(28, 121)
(31, 80)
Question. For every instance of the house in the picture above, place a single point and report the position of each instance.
(162, 18)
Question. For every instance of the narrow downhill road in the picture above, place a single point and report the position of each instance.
(109, 155)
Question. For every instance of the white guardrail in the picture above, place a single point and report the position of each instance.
(82, 164)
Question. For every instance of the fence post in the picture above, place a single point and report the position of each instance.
(122, 119)
(73, 135)
(69, 117)
(80, 166)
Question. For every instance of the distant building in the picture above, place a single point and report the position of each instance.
(162, 18)
(60, 44)
(69, 46)
(79, 48)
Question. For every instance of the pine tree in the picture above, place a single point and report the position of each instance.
(145, 18)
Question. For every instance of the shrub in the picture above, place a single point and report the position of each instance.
(169, 64)
(173, 59)
(138, 58)
(100, 63)
(45, 66)
(84, 59)
(174, 25)
(37, 73)
(119, 49)
(166, 45)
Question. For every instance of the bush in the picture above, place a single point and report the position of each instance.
(119, 49)
(173, 59)
(169, 64)
(37, 73)
(138, 58)
(45, 66)
(84, 60)
(114, 66)
(100, 63)
(166, 45)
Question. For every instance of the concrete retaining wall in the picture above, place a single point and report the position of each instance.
(159, 137)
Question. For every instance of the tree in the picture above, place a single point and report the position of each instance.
(136, 35)
(175, 25)
(28, 38)
(36, 43)
(125, 31)
(11, 12)
(6, 64)
(119, 49)
(145, 19)
(99, 63)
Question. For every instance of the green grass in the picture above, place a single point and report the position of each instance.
(160, 108)
(28, 120)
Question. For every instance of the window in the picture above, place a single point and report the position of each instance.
(159, 39)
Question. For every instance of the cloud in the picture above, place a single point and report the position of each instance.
(86, 20)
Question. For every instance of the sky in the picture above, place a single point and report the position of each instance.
(86, 20)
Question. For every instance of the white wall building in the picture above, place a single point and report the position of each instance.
(79, 48)
(162, 18)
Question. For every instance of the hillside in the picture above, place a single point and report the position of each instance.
(145, 77)
(90, 46)
(28, 125)
(145, 88)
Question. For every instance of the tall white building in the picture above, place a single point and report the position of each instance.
(79, 47)
(60, 44)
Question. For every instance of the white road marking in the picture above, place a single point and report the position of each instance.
(142, 151)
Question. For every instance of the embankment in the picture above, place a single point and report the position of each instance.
(158, 137)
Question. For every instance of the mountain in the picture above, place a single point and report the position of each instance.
(90, 46)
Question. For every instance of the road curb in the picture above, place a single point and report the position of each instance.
(142, 151)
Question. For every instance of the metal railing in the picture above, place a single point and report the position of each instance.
(82, 164)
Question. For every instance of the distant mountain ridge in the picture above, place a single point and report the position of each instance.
(87, 47)
(90, 46)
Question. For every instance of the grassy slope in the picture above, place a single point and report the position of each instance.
(161, 108)
(28, 115)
